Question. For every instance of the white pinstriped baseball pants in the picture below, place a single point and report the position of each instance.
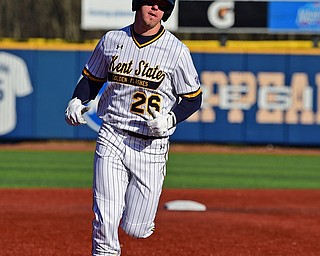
(127, 183)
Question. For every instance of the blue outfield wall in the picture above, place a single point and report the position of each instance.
(250, 96)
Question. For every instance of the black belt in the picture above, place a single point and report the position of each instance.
(142, 136)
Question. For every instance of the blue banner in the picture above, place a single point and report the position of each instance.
(294, 16)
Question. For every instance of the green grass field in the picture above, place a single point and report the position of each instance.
(25, 169)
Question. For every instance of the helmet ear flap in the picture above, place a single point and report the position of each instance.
(166, 15)
(135, 5)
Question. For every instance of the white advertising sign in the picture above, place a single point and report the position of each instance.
(111, 14)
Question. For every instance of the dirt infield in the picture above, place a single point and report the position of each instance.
(201, 148)
(54, 222)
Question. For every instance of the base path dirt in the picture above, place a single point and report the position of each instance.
(54, 222)
(68, 145)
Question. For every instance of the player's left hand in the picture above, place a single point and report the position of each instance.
(161, 123)
(74, 112)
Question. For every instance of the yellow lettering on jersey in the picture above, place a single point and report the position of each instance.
(145, 70)
(120, 79)
(124, 68)
(145, 76)
(142, 83)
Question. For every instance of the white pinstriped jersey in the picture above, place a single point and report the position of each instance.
(153, 74)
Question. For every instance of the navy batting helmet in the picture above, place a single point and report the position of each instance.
(136, 4)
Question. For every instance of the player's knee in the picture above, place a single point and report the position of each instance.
(138, 230)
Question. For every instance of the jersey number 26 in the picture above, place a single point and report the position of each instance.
(142, 102)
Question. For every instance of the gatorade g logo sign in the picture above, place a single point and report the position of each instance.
(221, 14)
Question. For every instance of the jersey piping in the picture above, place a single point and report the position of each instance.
(86, 73)
(192, 94)
(156, 37)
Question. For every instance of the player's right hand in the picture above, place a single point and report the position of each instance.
(74, 112)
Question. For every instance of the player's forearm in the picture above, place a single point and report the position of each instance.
(187, 107)
(87, 89)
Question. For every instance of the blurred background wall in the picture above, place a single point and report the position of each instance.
(24, 19)
(258, 62)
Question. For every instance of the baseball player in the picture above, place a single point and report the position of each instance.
(152, 86)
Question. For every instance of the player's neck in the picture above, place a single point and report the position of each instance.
(145, 30)
(141, 39)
